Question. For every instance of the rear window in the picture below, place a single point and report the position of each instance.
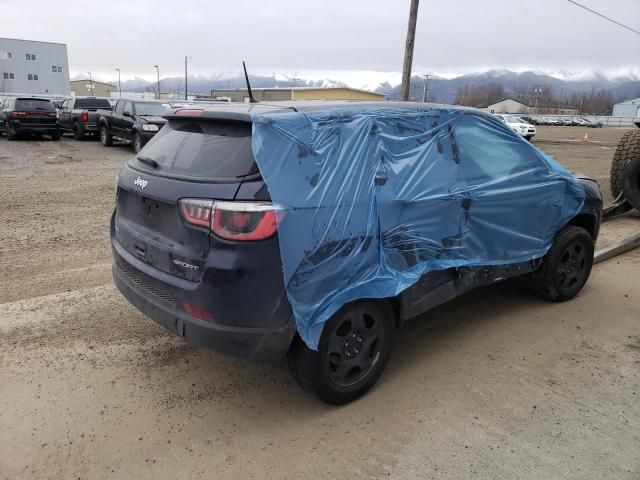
(204, 150)
(34, 104)
(92, 103)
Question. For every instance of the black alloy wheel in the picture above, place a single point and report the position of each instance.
(353, 346)
(353, 350)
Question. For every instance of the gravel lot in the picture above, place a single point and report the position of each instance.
(498, 384)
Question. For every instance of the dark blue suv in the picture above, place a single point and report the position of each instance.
(194, 237)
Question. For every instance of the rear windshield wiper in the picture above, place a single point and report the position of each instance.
(149, 161)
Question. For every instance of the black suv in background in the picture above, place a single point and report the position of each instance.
(79, 115)
(194, 240)
(131, 121)
(23, 116)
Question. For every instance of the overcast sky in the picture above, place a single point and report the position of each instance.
(315, 36)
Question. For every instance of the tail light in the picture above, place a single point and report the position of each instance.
(84, 116)
(17, 114)
(243, 221)
(196, 311)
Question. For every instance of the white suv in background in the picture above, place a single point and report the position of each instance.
(518, 125)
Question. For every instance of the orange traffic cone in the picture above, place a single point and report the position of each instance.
(585, 138)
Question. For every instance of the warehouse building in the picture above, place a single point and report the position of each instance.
(510, 105)
(297, 93)
(91, 88)
(628, 109)
(32, 67)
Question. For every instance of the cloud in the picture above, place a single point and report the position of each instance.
(332, 35)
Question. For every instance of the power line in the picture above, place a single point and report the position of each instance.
(605, 17)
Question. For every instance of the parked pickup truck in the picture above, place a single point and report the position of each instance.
(131, 121)
(79, 115)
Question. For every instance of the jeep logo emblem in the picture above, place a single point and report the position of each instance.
(140, 182)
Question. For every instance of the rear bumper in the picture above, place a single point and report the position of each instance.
(269, 343)
(20, 127)
(87, 127)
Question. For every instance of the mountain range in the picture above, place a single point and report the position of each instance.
(561, 84)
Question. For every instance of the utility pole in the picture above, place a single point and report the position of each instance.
(537, 92)
(119, 87)
(408, 51)
(158, 72)
(186, 89)
(426, 89)
(90, 84)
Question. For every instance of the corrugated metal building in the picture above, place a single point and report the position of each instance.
(510, 105)
(34, 67)
(628, 108)
(297, 93)
(91, 88)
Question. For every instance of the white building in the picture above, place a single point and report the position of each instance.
(628, 108)
(33, 67)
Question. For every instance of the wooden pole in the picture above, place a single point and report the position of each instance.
(408, 51)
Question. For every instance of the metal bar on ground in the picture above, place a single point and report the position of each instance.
(617, 248)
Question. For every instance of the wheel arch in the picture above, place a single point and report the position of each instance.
(587, 221)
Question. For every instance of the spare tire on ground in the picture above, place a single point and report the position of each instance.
(631, 182)
(628, 149)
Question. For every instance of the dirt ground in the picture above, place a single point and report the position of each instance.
(497, 384)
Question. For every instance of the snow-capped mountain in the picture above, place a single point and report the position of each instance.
(443, 87)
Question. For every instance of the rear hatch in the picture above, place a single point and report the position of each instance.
(35, 112)
(168, 195)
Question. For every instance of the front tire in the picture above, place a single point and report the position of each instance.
(567, 265)
(105, 137)
(353, 350)
(137, 143)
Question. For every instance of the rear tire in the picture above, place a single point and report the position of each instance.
(627, 150)
(105, 136)
(9, 132)
(566, 266)
(353, 350)
(55, 136)
(77, 133)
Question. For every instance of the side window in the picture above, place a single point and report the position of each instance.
(488, 151)
(128, 107)
(30, 76)
(27, 56)
(119, 107)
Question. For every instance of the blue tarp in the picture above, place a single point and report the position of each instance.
(373, 198)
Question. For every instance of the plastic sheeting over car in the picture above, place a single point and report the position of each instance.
(373, 198)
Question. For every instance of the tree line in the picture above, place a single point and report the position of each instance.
(592, 101)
